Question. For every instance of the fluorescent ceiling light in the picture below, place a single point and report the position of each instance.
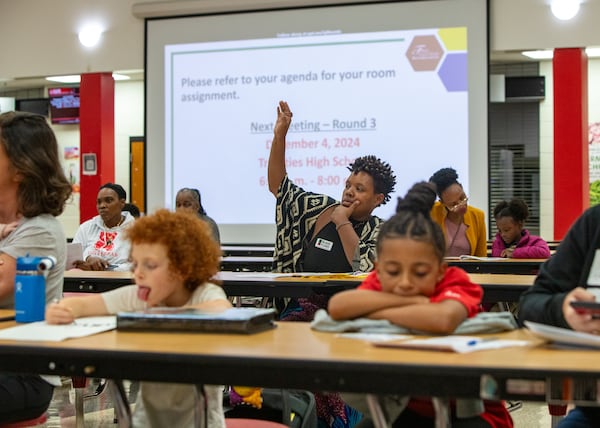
(73, 78)
(593, 52)
(539, 54)
(118, 76)
(76, 78)
(549, 53)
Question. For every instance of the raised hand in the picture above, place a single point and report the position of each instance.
(284, 118)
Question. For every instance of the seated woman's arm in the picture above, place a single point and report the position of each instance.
(91, 263)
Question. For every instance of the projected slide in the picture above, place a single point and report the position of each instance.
(400, 95)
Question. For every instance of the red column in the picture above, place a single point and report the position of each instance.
(97, 137)
(571, 162)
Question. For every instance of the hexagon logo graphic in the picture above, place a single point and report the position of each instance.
(424, 53)
(453, 72)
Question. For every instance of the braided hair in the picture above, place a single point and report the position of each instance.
(384, 179)
(413, 221)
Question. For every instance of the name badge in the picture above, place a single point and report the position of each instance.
(324, 244)
(594, 276)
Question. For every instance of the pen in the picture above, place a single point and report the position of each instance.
(474, 342)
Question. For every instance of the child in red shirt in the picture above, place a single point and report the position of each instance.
(412, 286)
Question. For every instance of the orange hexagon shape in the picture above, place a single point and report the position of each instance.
(424, 53)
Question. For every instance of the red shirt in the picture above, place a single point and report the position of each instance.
(455, 285)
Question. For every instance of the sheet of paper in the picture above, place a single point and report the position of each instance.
(55, 333)
(454, 343)
(74, 252)
(564, 336)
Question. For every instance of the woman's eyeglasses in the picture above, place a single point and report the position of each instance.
(461, 203)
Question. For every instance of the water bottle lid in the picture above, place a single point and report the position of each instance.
(28, 262)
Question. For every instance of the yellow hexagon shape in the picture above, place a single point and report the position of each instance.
(454, 39)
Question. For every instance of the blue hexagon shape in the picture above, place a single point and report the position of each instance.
(453, 72)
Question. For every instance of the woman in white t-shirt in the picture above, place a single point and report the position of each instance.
(102, 237)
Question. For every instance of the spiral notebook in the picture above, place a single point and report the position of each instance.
(233, 320)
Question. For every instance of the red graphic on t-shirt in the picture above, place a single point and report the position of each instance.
(106, 241)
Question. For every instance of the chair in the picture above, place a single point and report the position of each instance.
(38, 421)
(79, 384)
(558, 412)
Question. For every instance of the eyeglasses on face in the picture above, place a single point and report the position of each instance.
(456, 205)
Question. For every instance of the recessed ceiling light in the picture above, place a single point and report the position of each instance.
(76, 78)
(89, 36)
(564, 9)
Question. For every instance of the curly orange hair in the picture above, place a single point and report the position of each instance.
(192, 251)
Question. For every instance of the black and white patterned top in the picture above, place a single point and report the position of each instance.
(296, 213)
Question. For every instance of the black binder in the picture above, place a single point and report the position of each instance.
(233, 320)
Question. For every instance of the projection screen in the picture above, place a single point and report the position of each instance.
(405, 81)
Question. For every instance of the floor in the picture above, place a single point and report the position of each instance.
(99, 412)
(98, 407)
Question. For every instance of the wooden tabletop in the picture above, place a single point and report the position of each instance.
(248, 250)
(247, 263)
(240, 261)
(497, 287)
(500, 266)
(294, 356)
(94, 274)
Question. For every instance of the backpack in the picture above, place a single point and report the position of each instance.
(294, 408)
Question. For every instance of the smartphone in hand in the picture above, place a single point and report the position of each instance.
(587, 307)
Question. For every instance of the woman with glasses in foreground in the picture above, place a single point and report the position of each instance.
(463, 225)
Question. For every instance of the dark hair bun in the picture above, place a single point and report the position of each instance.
(419, 198)
(444, 178)
(516, 208)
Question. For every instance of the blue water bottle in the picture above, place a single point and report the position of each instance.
(30, 287)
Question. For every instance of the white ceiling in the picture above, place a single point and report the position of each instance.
(47, 44)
